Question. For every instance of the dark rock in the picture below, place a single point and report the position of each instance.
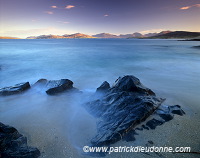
(166, 117)
(104, 87)
(163, 114)
(130, 136)
(18, 88)
(139, 129)
(53, 87)
(41, 81)
(57, 86)
(194, 39)
(150, 142)
(197, 47)
(124, 106)
(14, 145)
(170, 110)
(176, 109)
(152, 124)
(159, 117)
(131, 84)
(145, 127)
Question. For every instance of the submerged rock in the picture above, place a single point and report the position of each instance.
(126, 104)
(53, 87)
(14, 145)
(16, 89)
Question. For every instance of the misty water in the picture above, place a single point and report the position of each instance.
(59, 126)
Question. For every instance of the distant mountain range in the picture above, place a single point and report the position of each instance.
(108, 35)
(105, 35)
(161, 35)
(76, 35)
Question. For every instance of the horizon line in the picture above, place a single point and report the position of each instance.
(95, 34)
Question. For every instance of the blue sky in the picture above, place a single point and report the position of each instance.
(22, 18)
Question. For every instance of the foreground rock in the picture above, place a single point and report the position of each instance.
(14, 145)
(53, 87)
(126, 104)
(16, 89)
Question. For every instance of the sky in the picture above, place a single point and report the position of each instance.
(23, 18)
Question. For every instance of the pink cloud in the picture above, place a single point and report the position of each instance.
(49, 12)
(106, 15)
(54, 6)
(188, 7)
(69, 6)
(197, 5)
(185, 8)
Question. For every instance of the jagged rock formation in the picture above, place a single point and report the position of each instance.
(14, 145)
(126, 104)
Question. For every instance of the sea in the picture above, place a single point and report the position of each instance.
(59, 126)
